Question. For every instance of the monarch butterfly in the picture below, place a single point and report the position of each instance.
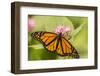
(56, 43)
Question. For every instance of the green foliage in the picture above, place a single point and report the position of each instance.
(79, 36)
(49, 23)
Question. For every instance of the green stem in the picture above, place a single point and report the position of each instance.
(38, 46)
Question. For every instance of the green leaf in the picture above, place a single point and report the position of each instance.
(77, 30)
(80, 41)
(40, 54)
(77, 21)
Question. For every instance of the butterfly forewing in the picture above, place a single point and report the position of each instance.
(47, 38)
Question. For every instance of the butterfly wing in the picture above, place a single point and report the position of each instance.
(53, 43)
(47, 38)
(67, 48)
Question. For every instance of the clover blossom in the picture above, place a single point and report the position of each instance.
(62, 29)
(31, 24)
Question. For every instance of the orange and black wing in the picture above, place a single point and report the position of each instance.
(65, 48)
(47, 38)
(53, 43)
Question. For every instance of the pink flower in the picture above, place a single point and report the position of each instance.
(62, 29)
(31, 24)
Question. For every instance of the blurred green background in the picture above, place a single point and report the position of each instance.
(79, 35)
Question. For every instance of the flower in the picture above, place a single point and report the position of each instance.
(31, 24)
(62, 29)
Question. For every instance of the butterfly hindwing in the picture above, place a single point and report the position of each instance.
(59, 48)
(69, 49)
(52, 46)
(66, 46)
